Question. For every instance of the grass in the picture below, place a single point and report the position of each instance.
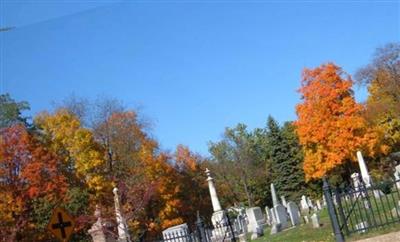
(305, 232)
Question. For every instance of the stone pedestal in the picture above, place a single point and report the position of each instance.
(97, 231)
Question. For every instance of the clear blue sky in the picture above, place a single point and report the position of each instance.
(194, 67)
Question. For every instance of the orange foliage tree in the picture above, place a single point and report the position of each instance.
(330, 125)
(194, 192)
(28, 171)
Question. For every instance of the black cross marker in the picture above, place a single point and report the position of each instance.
(61, 225)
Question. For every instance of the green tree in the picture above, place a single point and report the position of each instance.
(238, 167)
(11, 111)
(286, 159)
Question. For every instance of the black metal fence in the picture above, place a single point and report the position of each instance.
(361, 208)
(225, 230)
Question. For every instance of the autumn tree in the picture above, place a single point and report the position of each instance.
(193, 190)
(28, 172)
(82, 157)
(330, 125)
(382, 77)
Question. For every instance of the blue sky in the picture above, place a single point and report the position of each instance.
(194, 67)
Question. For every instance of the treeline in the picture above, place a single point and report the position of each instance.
(74, 155)
(331, 127)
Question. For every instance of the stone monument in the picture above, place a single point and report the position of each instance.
(293, 211)
(123, 234)
(97, 231)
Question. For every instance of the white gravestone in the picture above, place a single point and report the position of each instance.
(268, 217)
(356, 183)
(397, 176)
(281, 215)
(273, 216)
(255, 220)
(176, 233)
(319, 207)
(304, 205)
(315, 220)
(293, 211)
(284, 203)
(361, 227)
(275, 200)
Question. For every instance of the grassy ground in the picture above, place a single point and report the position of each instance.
(305, 232)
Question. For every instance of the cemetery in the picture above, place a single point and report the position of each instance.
(199, 121)
(356, 210)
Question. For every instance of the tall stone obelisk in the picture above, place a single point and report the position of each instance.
(364, 170)
(275, 200)
(219, 214)
(213, 192)
(123, 235)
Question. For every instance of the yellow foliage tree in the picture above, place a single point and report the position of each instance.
(81, 155)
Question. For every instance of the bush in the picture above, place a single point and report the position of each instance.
(385, 186)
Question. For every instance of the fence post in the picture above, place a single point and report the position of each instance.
(233, 239)
(201, 232)
(332, 212)
(341, 213)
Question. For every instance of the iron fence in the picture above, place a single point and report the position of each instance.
(361, 208)
(225, 230)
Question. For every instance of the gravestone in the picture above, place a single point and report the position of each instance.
(396, 210)
(281, 215)
(305, 209)
(276, 228)
(397, 176)
(241, 224)
(284, 201)
(310, 204)
(293, 211)
(356, 184)
(275, 200)
(255, 220)
(319, 207)
(178, 233)
(323, 200)
(362, 227)
(315, 220)
(273, 216)
(268, 216)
